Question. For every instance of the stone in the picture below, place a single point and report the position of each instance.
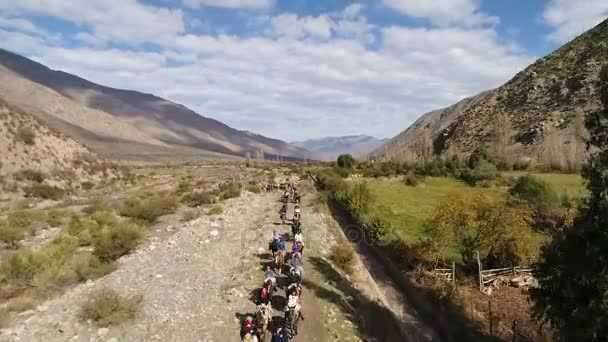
(214, 233)
(43, 308)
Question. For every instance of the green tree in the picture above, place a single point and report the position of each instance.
(573, 272)
(346, 161)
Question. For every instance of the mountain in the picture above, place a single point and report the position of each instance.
(539, 102)
(331, 147)
(125, 123)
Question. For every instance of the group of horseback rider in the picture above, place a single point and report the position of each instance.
(293, 291)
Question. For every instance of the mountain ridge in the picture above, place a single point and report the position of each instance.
(329, 148)
(161, 120)
(541, 99)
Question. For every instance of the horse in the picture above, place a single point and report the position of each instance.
(292, 318)
(279, 260)
(264, 315)
(296, 259)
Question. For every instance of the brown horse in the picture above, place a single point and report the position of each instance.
(264, 315)
(279, 261)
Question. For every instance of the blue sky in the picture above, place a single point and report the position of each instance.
(297, 69)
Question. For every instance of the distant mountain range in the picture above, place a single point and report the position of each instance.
(124, 123)
(539, 102)
(331, 147)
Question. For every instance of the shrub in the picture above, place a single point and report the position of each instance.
(106, 307)
(198, 198)
(491, 226)
(345, 161)
(148, 209)
(86, 185)
(54, 217)
(44, 191)
(215, 210)
(116, 241)
(97, 204)
(183, 186)
(191, 214)
(24, 218)
(481, 174)
(31, 175)
(534, 190)
(26, 135)
(253, 188)
(84, 229)
(343, 256)
(230, 190)
(88, 266)
(413, 179)
(104, 217)
(11, 234)
(21, 267)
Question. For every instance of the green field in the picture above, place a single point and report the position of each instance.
(407, 208)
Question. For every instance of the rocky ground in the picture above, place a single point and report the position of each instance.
(200, 278)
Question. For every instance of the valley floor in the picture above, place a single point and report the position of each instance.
(200, 278)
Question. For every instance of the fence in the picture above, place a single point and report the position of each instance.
(449, 273)
(487, 277)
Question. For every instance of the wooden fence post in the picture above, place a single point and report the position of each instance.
(490, 315)
(453, 272)
(480, 272)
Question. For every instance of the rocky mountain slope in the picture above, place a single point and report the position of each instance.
(124, 123)
(543, 98)
(331, 147)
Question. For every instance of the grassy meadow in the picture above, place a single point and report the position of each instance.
(407, 207)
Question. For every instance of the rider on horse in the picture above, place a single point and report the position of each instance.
(269, 275)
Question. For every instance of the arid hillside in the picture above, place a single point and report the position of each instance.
(124, 123)
(26, 143)
(539, 104)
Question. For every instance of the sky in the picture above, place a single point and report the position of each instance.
(297, 69)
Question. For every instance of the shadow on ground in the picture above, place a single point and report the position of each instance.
(373, 321)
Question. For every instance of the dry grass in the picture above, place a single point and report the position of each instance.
(343, 255)
(216, 210)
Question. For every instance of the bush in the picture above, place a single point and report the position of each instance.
(413, 179)
(26, 135)
(230, 190)
(491, 226)
(106, 307)
(116, 241)
(345, 161)
(343, 256)
(86, 185)
(198, 198)
(97, 204)
(148, 209)
(54, 217)
(11, 234)
(190, 214)
(534, 191)
(84, 229)
(253, 188)
(24, 218)
(88, 266)
(44, 191)
(482, 174)
(21, 267)
(31, 175)
(216, 210)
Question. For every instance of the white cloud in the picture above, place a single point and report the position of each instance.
(444, 12)
(251, 4)
(124, 20)
(292, 26)
(334, 84)
(569, 18)
(22, 25)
